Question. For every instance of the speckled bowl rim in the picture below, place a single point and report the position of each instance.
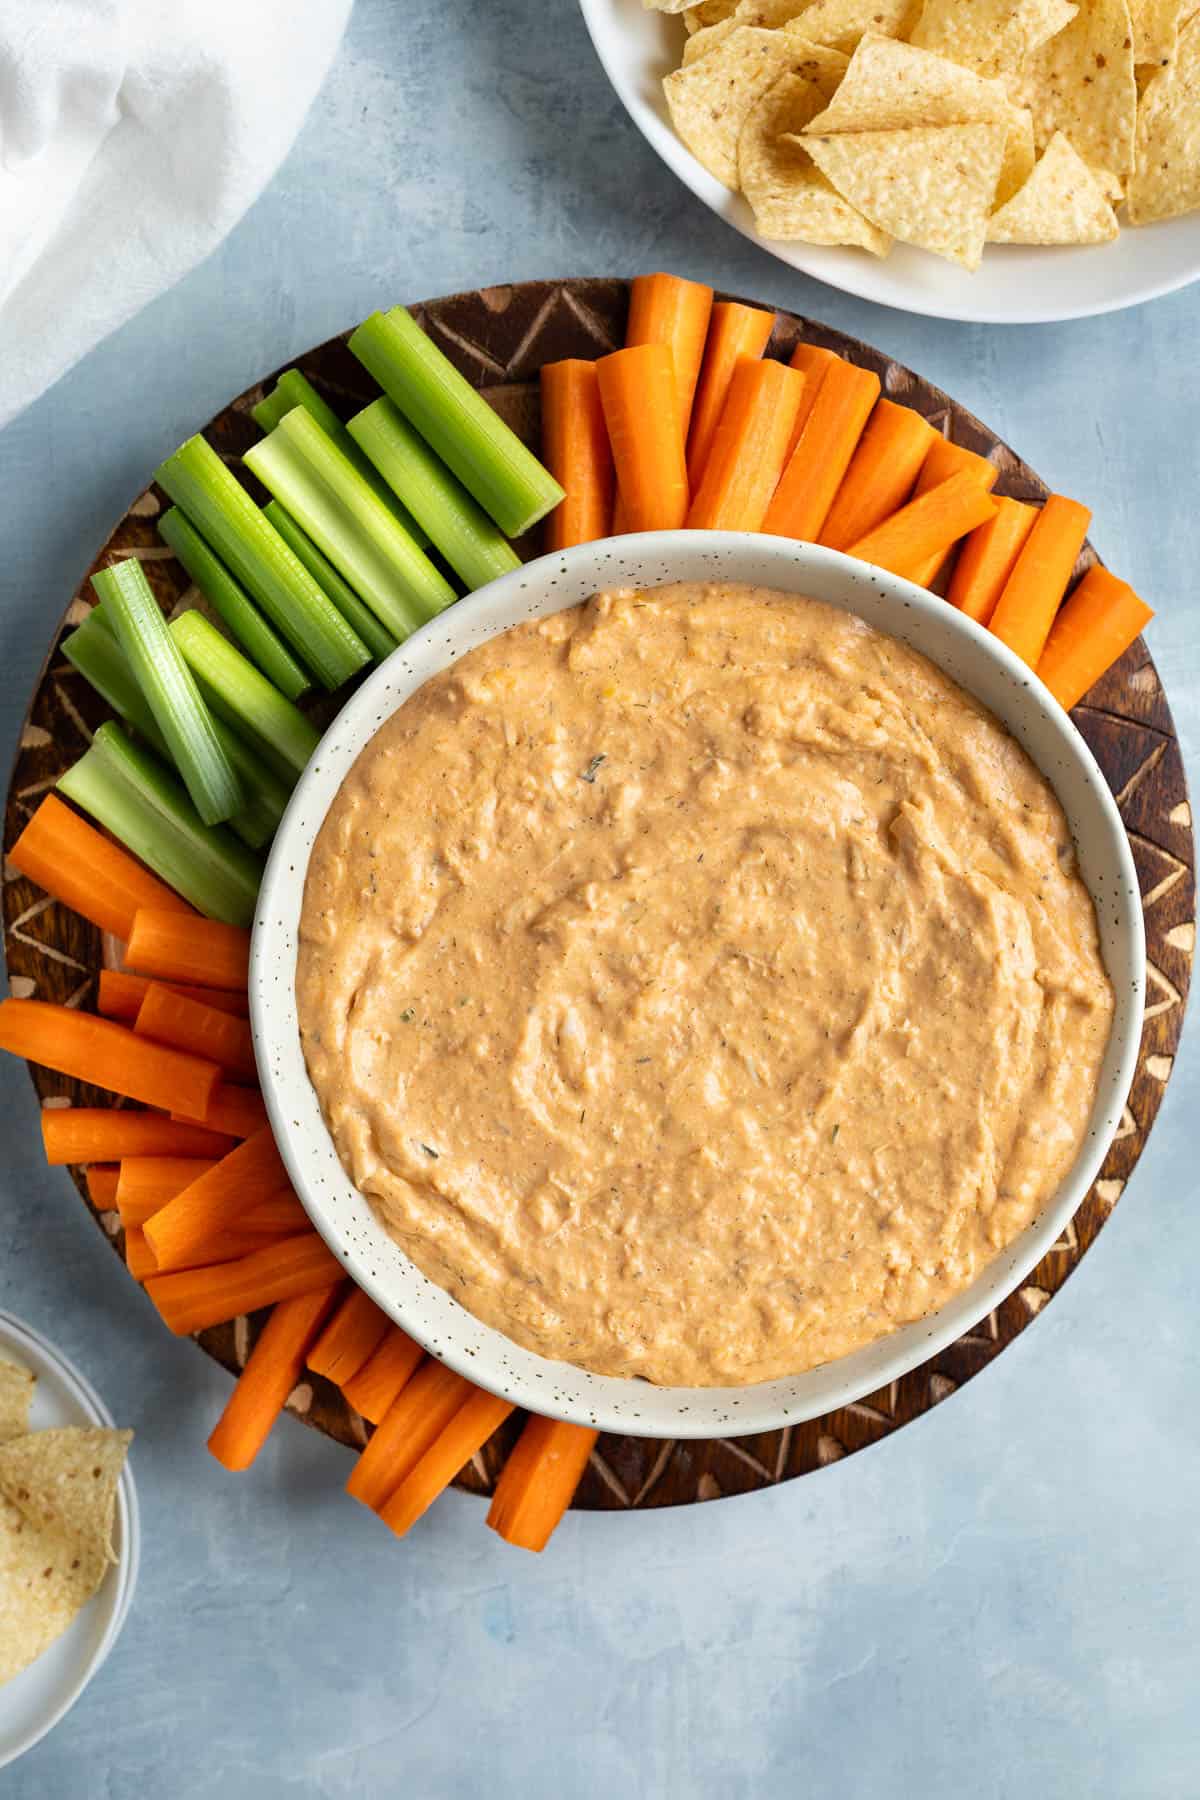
(970, 656)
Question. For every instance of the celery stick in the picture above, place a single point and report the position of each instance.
(266, 792)
(461, 530)
(489, 459)
(135, 618)
(376, 637)
(294, 389)
(243, 697)
(309, 476)
(132, 795)
(258, 639)
(224, 513)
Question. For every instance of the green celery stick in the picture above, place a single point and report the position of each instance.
(294, 389)
(458, 525)
(130, 793)
(258, 639)
(376, 637)
(244, 698)
(474, 442)
(328, 499)
(225, 514)
(171, 693)
(266, 792)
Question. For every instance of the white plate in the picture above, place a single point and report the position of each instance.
(33, 1702)
(1015, 286)
(971, 656)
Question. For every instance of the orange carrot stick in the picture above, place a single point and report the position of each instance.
(944, 460)
(272, 1370)
(102, 1185)
(382, 1376)
(354, 1333)
(280, 1215)
(538, 1481)
(1031, 595)
(414, 1421)
(105, 1054)
(882, 473)
(749, 449)
(193, 1299)
(119, 996)
(926, 526)
(1096, 626)
(139, 1257)
(170, 1018)
(576, 451)
(79, 1134)
(665, 309)
(822, 455)
(467, 1432)
(194, 1222)
(88, 872)
(146, 1183)
(237, 1112)
(814, 364)
(986, 559)
(735, 333)
(641, 413)
(198, 952)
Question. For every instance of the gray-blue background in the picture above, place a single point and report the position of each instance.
(1002, 1600)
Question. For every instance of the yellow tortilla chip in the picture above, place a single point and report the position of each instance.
(931, 185)
(1081, 82)
(993, 37)
(818, 63)
(772, 13)
(1166, 177)
(843, 22)
(16, 1397)
(708, 12)
(1020, 154)
(1061, 203)
(666, 6)
(706, 39)
(1155, 29)
(889, 86)
(57, 1503)
(710, 98)
(790, 197)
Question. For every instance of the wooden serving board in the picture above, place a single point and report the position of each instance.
(499, 337)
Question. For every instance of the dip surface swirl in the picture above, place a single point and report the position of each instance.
(699, 985)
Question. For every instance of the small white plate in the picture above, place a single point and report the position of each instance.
(33, 1702)
(1015, 286)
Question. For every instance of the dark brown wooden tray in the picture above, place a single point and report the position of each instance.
(499, 337)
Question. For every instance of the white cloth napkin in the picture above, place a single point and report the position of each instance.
(133, 136)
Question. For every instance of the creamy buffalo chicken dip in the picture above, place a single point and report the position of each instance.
(699, 984)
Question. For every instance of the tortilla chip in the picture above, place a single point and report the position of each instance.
(1061, 203)
(710, 98)
(1166, 177)
(1081, 82)
(706, 39)
(889, 86)
(666, 6)
(843, 22)
(57, 1503)
(818, 63)
(932, 185)
(993, 37)
(790, 196)
(16, 1397)
(771, 13)
(1155, 29)
(709, 12)
(1020, 154)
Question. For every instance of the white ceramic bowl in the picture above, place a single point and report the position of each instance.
(972, 657)
(1015, 286)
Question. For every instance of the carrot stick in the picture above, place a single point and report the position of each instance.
(665, 309)
(354, 1333)
(944, 460)
(195, 1220)
(749, 449)
(79, 1134)
(200, 952)
(102, 1185)
(139, 1257)
(236, 1112)
(576, 451)
(193, 1299)
(413, 1422)
(467, 1432)
(206, 1031)
(641, 413)
(279, 1216)
(882, 473)
(538, 1481)
(120, 995)
(88, 872)
(105, 1054)
(735, 333)
(1096, 626)
(272, 1370)
(822, 455)
(986, 559)
(373, 1388)
(1031, 595)
(146, 1183)
(814, 364)
(926, 526)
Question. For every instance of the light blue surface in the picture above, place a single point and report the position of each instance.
(1001, 1600)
